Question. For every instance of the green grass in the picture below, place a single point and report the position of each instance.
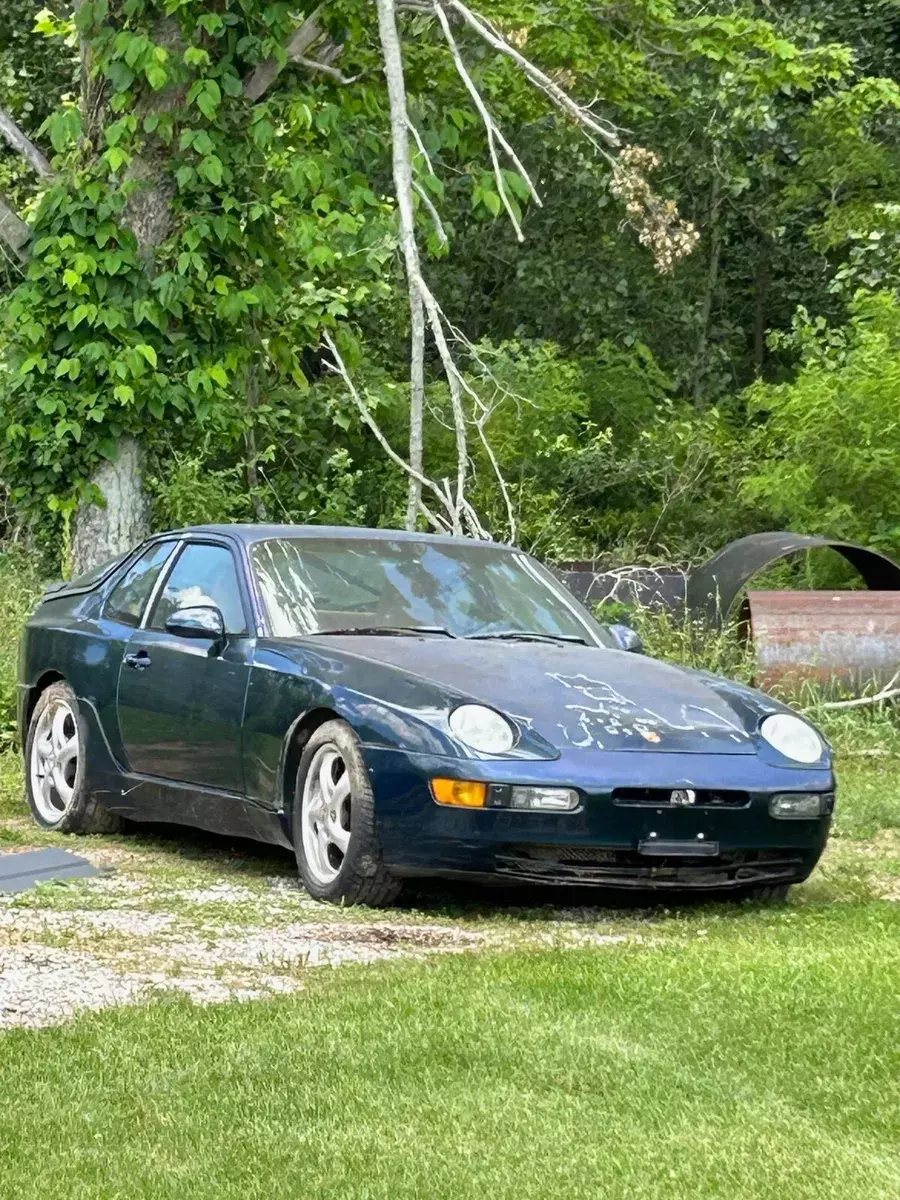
(755, 1057)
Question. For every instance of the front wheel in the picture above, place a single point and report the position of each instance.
(335, 833)
(55, 751)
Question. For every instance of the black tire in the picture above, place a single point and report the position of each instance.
(80, 813)
(361, 877)
(770, 893)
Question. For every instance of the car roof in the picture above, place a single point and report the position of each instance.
(258, 533)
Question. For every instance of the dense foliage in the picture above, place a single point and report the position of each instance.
(633, 412)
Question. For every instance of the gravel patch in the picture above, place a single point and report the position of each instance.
(40, 985)
(123, 955)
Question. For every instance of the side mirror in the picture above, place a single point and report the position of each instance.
(199, 621)
(626, 638)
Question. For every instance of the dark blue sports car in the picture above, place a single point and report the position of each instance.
(395, 705)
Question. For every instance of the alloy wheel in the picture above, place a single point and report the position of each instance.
(54, 762)
(325, 813)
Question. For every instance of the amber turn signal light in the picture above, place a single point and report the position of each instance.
(462, 793)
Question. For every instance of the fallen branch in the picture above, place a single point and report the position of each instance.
(24, 145)
(888, 692)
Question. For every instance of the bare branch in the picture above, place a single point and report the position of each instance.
(24, 145)
(597, 127)
(493, 130)
(14, 233)
(412, 129)
(435, 215)
(339, 367)
(302, 39)
(313, 64)
(492, 459)
(888, 692)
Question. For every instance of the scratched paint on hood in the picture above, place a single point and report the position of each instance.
(577, 697)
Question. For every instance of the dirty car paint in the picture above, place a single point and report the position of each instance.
(586, 717)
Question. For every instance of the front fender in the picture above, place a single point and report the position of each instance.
(387, 708)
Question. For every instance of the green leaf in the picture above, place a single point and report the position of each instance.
(195, 56)
(183, 176)
(147, 352)
(123, 393)
(211, 168)
(157, 76)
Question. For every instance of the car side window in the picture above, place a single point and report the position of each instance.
(127, 600)
(203, 574)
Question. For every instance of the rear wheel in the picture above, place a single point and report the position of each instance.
(335, 834)
(55, 763)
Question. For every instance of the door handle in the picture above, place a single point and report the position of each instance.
(139, 661)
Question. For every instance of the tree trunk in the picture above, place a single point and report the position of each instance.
(14, 233)
(416, 406)
(102, 532)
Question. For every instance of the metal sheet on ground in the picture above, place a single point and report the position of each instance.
(18, 872)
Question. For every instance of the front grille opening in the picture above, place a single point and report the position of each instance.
(616, 867)
(662, 798)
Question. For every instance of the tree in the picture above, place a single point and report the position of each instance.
(159, 283)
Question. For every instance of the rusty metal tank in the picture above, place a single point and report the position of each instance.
(839, 640)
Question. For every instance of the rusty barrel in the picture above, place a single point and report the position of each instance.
(843, 641)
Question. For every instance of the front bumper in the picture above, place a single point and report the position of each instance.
(602, 842)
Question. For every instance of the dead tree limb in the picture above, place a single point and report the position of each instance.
(596, 127)
(324, 68)
(493, 131)
(889, 692)
(24, 146)
(339, 367)
(418, 138)
(432, 211)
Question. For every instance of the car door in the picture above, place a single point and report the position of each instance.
(181, 700)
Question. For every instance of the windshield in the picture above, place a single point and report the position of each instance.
(313, 585)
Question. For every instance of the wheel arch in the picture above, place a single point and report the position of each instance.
(34, 694)
(295, 741)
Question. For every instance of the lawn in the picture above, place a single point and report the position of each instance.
(717, 1050)
(752, 1056)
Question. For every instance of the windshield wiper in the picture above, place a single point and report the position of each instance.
(384, 630)
(524, 635)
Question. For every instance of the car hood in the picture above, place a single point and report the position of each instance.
(577, 697)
